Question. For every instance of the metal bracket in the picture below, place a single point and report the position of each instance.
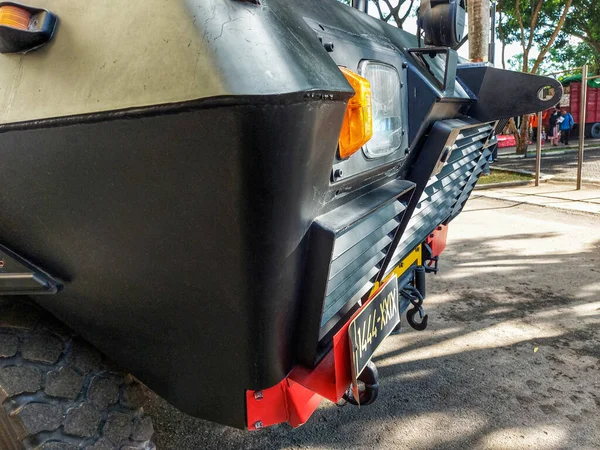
(20, 277)
(430, 262)
(449, 81)
(520, 91)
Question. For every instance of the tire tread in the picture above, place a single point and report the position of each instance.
(58, 392)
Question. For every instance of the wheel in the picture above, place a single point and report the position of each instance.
(58, 393)
(595, 131)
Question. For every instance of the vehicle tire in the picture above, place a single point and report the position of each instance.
(58, 393)
(595, 131)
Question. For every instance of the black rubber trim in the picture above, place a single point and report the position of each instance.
(177, 108)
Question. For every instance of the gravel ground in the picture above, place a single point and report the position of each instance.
(510, 359)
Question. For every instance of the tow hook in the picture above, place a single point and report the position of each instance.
(370, 378)
(416, 299)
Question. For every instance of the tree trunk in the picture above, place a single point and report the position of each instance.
(522, 136)
(479, 30)
(501, 35)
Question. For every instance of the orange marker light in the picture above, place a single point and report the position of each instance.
(357, 128)
(15, 17)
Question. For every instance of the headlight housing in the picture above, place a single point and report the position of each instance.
(387, 108)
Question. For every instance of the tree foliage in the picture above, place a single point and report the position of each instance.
(535, 25)
(565, 55)
(578, 42)
(572, 55)
(583, 22)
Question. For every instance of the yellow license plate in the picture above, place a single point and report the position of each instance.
(372, 325)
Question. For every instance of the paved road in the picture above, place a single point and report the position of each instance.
(510, 360)
(564, 166)
(573, 143)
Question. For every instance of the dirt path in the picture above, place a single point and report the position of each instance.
(510, 360)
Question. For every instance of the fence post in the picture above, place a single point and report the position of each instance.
(582, 118)
(538, 150)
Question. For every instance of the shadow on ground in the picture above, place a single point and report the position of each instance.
(511, 359)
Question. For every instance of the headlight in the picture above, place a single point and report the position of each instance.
(387, 108)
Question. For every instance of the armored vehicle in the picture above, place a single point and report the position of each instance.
(233, 200)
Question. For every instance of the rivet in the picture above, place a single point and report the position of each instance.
(258, 395)
(258, 425)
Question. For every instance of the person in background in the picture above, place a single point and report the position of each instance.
(533, 124)
(566, 125)
(554, 132)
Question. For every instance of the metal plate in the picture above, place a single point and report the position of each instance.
(19, 277)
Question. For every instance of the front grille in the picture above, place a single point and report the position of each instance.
(347, 247)
(447, 192)
(357, 257)
(346, 251)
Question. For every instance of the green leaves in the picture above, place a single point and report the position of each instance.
(583, 23)
(576, 43)
(534, 24)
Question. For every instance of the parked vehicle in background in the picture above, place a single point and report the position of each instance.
(571, 101)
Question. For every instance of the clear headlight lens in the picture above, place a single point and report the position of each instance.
(387, 108)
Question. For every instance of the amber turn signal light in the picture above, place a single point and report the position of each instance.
(357, 128)
(14, 17)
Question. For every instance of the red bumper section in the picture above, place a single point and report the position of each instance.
(299, 395)
(437, 240)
